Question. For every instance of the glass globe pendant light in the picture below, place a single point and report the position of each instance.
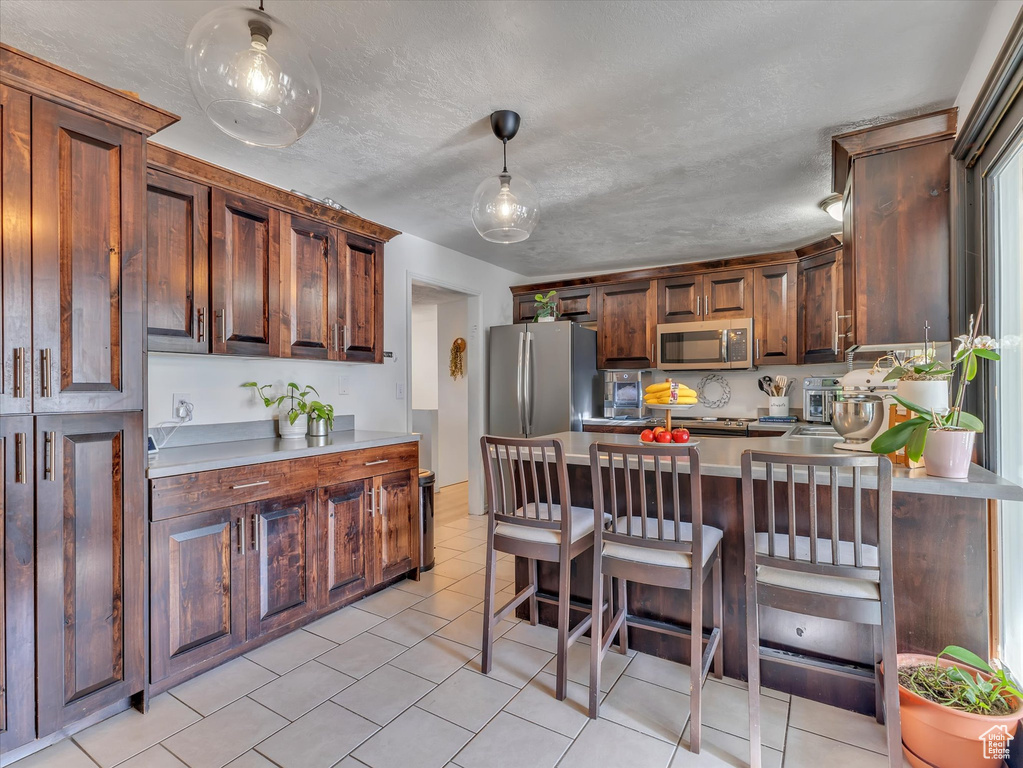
(505, 209)
(252, 76)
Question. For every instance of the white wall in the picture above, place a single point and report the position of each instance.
(424, 357)
(452, 397)
(213, 382)
(1002, 17)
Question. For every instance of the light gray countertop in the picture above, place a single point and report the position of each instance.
(236, 453)
(721, 457)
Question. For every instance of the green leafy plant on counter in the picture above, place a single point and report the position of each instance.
(298, 401)
(957, 688)
(912, 433)
(546, 306)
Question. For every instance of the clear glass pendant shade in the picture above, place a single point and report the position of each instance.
(505, 209)
(252, 76)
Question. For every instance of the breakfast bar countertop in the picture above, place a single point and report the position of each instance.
(236, 453)
(722, 456)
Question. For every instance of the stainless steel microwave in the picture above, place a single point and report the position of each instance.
(713, 345)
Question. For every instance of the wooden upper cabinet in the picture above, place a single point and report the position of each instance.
(245, 276)
(90, 513)
(396, 523)
(680, 299)
(576, 304)
(523, 307)
(360, 297)
(626, 325)
(774, 318)
(823, 321)
(197, 573)
(15, 251)
(87, 206)
(280, 571)
(728, 294)
(345, 566)
(309, 275)
(177, 263)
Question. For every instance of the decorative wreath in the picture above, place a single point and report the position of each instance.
(456, 364)
(713, 391)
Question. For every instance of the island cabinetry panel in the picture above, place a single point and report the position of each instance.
(87, 239)
(310, 326)
(17, 581)
(90, 563)
(360, 299)
(245, 276)
(626, 325)
(177, 263)
(774, 317)
(824, 320)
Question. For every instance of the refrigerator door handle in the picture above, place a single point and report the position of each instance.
(528, 386)
(518, 385)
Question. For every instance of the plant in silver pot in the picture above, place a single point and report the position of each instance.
(944, 436)
(293, 420)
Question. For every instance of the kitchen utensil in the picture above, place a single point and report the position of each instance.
(763, 387)
(766, 383)
(857, 418)
(782, 382)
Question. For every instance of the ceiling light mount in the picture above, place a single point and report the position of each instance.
(503, 211)
(832, 205)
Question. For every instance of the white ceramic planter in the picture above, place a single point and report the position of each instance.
(289, 431)
(547, 319)
(947, 452)
(932, 395)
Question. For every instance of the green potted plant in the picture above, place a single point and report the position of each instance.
(292, 420)
(923, 380)
(321, 418)
(546, 307)
(956, 709)
(944, 436)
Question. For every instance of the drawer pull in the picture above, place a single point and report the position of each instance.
(250, 485)
(378, 461)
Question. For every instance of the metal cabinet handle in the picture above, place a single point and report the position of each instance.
(698, 306)
(255, 533)
(200, 323)
(837, 334)
(47, 385)
(758, 349)
(335, 334)
(378, 461)
(220, 315)
(706, 303)
(250, 485)
(240, 533)
(372, 502)
(344, 339)
(48, 441)
(19, 371)
(19, 458)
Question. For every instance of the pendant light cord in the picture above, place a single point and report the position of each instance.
(261, 5)
(505, 149)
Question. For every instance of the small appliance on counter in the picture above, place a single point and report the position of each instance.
(859, 411)
(623, 393)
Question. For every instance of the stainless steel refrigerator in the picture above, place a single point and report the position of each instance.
(543, 378)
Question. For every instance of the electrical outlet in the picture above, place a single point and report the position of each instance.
(344, 383)
(399, 390)
(177, 409)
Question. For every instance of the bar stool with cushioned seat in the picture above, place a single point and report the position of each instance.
(650, 540)
(525, 503)
(821, 565)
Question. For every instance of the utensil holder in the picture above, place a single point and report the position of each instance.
(777, 406)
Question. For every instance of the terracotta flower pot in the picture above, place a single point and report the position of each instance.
(947, 452)
(933, 735)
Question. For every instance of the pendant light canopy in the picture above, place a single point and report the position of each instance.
(832, 205)
(505, 209)
(252, 76)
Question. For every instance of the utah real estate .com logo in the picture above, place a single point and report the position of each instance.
(996, 742)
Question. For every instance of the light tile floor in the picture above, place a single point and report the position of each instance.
(393, 681)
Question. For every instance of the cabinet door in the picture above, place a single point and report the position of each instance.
(727, 294)
(343, 557)
(523, 307)
(15, 251)
(177, 263)
(309, 326)
(197, 577)
(88, 182)
(823, 321)
(680, 299)
(90, 513)
(17, 583)
(576, 304)
(626, 325)
(361, 299)
(245, 276)
(774, 321)
(396, 523)
(280, 573)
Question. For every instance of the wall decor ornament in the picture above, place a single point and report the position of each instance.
(456, 362)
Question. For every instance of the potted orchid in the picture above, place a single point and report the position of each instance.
(943, 434)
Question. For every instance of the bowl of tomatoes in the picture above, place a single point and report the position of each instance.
(678, 435)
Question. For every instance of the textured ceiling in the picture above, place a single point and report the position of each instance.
(655, 132)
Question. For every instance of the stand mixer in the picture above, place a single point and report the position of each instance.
(860, 411)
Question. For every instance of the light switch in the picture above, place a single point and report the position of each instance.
(344, 384)
(399, 390)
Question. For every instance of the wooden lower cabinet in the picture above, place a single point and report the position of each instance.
(344, 556)
(90, 566)
(396, 523)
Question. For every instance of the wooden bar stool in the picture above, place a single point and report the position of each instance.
(525, 504)
(803, 564)
(652, 539)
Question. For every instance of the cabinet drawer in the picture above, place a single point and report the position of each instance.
(353, 465)
(200, 491)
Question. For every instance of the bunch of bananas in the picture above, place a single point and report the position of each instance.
(669, 393)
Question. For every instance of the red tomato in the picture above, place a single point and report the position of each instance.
(647, 435)
(680, 435)
(663, 437)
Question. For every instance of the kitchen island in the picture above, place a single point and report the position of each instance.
(940, 534)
